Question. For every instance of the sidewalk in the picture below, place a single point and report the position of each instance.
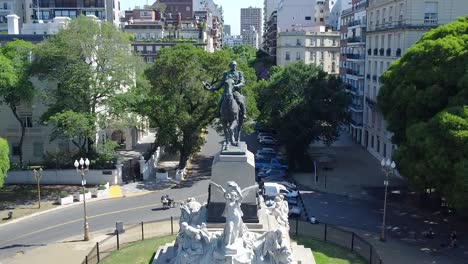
(356, 174)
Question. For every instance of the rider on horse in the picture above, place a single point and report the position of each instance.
(238, 80)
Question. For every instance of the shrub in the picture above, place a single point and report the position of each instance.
(4, 160)
(64, 194)
(101, 187)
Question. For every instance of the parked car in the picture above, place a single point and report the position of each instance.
(268, 140)
(272, 172)
(280, 180)
(261, 135)
(272, 163)
(272, 189)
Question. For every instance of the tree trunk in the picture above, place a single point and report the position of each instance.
(23, 129)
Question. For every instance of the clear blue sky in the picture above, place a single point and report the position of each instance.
(231, 9)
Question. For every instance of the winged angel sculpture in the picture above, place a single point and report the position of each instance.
(234, 227)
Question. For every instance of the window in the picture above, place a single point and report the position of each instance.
(15, 149)
(333, 70)
(26, 120)
(377, 18)
(5, 5)
(385, 150)
(321, 55)
(298, 42)
(372, 142)
(149, 59)
(287, 56)
(402, 10)
(308, 18)
(390, 14)
(378, 144)
(430, 13)
(298, 55)
(38, 149)
(321, 19)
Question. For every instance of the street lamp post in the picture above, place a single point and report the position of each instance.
(387, 166)
(82, 166)
(37, 176)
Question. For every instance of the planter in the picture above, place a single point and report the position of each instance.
(66, 200)
(102, 193)
(79, 197)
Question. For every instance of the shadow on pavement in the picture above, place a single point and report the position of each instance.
(21, 245)
(201, 170)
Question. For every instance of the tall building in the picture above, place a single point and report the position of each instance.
(251, 17)
(313, 46)
(227, 30)
(336, 7)
(302, 13)
(232, 41)
(392, 27)
(352, 66)
(270, 10)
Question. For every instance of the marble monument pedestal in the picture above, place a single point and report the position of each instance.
(236, 164)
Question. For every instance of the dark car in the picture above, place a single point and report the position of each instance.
(272, 172)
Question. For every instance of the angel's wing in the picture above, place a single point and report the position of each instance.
(249, 190)
(218, 187)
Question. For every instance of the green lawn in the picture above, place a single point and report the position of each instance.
(325, 253)
(137, 252)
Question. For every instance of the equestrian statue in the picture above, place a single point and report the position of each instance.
(231, 107)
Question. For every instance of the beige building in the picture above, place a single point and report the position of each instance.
(310, 45)
(392, 27)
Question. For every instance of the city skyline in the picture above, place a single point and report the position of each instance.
(231, 17)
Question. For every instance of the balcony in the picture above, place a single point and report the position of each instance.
(422, 25)
(354, 72)
(356, 39)
(355, 56)
(353, 23)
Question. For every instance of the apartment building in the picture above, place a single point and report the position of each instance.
(232, 41)
(251, 25)
(8, 7)
(352, 65)
(392, 27)
(310, 45)
(47, 10)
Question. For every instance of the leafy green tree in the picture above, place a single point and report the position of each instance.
(92, 63)
(4, 160)
(15, 87)
(424, 98)
(304, 104)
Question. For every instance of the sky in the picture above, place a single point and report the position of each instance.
(231, 9)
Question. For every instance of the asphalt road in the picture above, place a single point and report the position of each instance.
(68, 222)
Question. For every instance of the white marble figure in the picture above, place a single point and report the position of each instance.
(280, 211)
(190, 212)
(193, 244)
(276, 247)
(234, 227)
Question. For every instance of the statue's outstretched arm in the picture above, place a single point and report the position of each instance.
(220, 83)
(218, 187)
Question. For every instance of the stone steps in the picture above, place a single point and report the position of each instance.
(164, 254)
(301, 254)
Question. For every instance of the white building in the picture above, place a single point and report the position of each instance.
(251, 27)
(314, 45)
(336, 7)
(232, 41)
(392, 27)
(302, 13)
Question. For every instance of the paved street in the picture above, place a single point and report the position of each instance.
(65, 223)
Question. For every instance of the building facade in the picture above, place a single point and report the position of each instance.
(232, 41)
(392, 27)
(353, 58)
(251, 25)
(314, 46)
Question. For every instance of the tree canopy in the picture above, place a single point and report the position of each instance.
(91, 63)
(15, 87)
(4, 160)
(174, 100)
(424, 98)
(304, 104)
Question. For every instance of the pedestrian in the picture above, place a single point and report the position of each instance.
(453, 239)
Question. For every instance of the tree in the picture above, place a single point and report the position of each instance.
(91, 62)
(424, 99)
(15, 87)
(4, 160)
(304, 104)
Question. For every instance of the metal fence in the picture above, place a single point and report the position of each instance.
(335, 235)
(134, 232)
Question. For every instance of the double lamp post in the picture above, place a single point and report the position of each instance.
(388, 168)
(81, 167)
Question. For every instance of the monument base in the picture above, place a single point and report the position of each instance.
(215, 213)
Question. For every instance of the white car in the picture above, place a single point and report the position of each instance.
(273, 189)
(265, 152)
(261, 135)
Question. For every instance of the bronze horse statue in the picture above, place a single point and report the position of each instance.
(230, 113)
